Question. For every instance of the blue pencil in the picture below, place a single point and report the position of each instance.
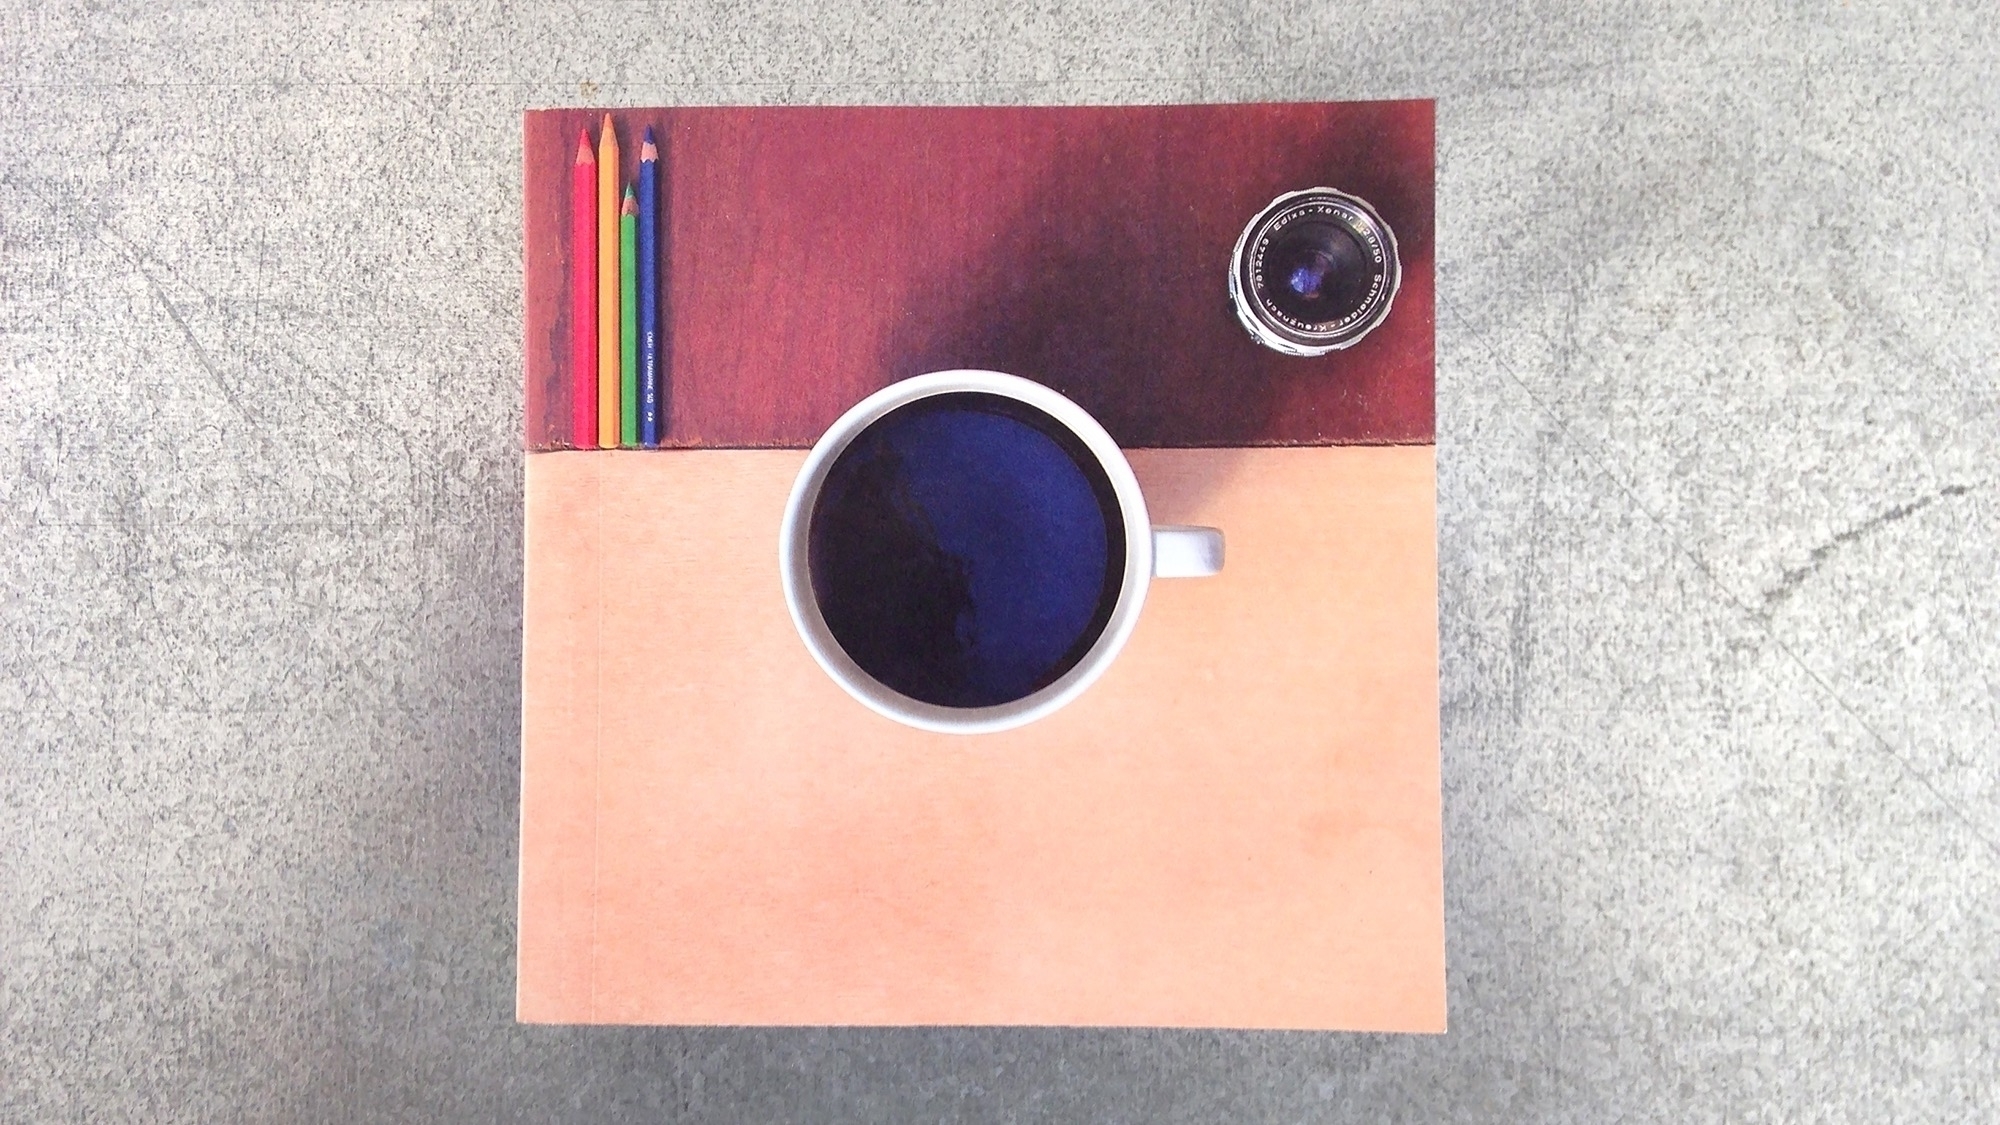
(649, 293)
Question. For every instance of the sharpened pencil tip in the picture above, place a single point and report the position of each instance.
(583, 153)
(631, 206)
(607, 143)
(649, 150)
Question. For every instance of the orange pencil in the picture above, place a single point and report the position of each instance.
(607, 286)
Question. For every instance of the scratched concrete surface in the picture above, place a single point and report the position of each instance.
(1718, 432)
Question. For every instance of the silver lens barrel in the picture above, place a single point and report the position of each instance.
(1315, 271)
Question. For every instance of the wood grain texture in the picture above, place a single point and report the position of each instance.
(812, 255)
(1239, 825)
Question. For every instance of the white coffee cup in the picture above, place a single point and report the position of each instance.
(1149, 552)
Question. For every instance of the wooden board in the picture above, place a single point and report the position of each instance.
(1238, 826)
(813, 255)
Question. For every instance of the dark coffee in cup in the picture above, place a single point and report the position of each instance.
(966, 549)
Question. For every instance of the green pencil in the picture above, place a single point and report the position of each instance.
(628, 321)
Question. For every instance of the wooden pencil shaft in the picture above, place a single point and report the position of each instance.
(607, 285)
(628, 322)
(649, 294)
(583, 296)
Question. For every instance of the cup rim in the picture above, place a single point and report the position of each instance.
(879, 697)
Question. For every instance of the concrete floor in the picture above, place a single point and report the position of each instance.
(1718, 425)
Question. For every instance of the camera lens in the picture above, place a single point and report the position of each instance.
(1314, 271)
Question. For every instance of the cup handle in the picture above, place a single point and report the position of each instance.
(1186, 552)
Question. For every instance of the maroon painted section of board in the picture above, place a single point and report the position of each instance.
(813, 255)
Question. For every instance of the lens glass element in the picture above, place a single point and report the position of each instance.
(1317, 271)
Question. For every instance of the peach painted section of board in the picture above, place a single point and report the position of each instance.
(1238, 826)
(813, 255)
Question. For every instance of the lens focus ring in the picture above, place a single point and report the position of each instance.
(1315, 271)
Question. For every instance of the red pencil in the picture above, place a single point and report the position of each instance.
(583, 295)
